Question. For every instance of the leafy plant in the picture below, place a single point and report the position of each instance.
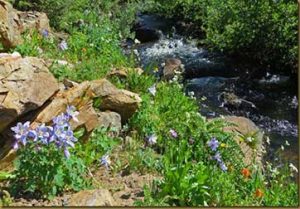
(41, 166)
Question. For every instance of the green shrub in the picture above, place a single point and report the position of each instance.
(264, 32)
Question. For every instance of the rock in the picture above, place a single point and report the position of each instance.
(172, 66)
(5, 162)
(123, 102)
(246, 127)
(99, 197)
(110, 119)
(25, 85)
(10, 25)
(87, 117)
(33, 20)
(58, 63)
(123, 72)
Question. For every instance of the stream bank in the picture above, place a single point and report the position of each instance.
(226, 86)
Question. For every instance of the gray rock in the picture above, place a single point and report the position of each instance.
(99, 197)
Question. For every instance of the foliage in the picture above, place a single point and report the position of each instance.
(99, 144)
(41, 165)
(68, 14)
(263, 31)
(200, 165)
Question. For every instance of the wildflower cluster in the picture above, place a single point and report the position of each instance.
(60, 133)
(214, 144)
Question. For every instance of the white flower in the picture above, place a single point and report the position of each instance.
(136, 41)
(249, 139)
(191, 93)
(287, 143)
(152, 90)
(282, 147)
(293, 168)
(152, 139)
(268, 140)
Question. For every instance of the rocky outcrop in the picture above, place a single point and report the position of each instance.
(10, 25)
(13, 23)
(99, 197)
(246, 128)
(111, 99)
(121, 101)
(33, 20)
(25, 85)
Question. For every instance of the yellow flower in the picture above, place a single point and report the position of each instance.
(155, 69)
(223, 145)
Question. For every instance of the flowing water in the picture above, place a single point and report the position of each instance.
(268, 99)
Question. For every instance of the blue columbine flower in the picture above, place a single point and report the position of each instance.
(173, 133)
(72, 113)
(61, 121)
(217, 157)
(60, 133)
(63, 45)
(58, 136)
(67, 153)
(21, 132)
(43, 133)
(105, 161)
(213, 144)
(223, 166)
(45, 33)
(69, 139)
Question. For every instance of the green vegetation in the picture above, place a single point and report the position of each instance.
(198, 163)
(263, 31)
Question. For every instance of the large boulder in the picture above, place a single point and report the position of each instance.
(112, 99)
(33, 20)
(10, 25)
(25, 85)
(99, 197)
(13, 23)
(121, 101)
(242, 128)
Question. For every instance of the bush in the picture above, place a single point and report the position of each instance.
(265, 32)
(44, 165)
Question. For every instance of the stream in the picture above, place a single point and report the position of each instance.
(269, 99)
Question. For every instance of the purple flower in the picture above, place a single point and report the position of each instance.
(67, 153)
(217, 157)
(173, 133)
(213, 144)
(105, 161)
(69, 139)
(61, 121)
(16, 146)
(152, 139)
(43, 133)
(45, 33)
(72, 113)
(223, 166)
(63, 45)
(21, 132)
(58, 135)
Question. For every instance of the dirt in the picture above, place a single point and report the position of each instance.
(124, 189)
